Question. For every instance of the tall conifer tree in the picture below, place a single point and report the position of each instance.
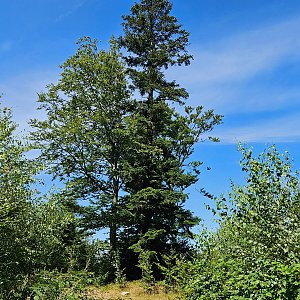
(160, 169)
(131, 159)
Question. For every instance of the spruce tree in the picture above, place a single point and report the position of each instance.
(160, 169)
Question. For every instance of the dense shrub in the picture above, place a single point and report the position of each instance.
(55, 285)
(34, 234)
(255, 253)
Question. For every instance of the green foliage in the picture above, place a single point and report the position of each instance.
(146, 260)
(55, 285)
(230, 279)
(174, 268)
(158, 169)
(16, 176)
(120, 277)
(98, 261)
(83, 138)
(255, 252)
(34, 233)
(154, 41)
(129, 159)
(47, 236)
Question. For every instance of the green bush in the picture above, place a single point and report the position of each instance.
(229, 279)
(35, 234)
(56, 285)
(174, 268)
(255, 253)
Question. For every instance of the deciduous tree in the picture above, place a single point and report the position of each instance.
(255, 252)
(84, 135)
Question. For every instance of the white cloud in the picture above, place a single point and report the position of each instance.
(230, 76)
(74, 8)
(236, 99)
(20, 93)
(244, 56)
(283, 129)
(220, 75)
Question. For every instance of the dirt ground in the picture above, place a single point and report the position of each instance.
(132, 291)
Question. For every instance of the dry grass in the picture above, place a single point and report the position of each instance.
(135, 292)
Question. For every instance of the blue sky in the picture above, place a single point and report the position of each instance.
(246, 67)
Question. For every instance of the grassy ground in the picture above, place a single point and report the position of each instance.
(132, 291)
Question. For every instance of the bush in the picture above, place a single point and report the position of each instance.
(55, 285)
(34, 234)
(255, 253)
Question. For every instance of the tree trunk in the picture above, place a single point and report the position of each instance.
(113, 221)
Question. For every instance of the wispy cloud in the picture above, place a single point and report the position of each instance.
(282, 129)
(20, 93)
(220, 75)
(235, 77)
(69, 12)
(243, 56)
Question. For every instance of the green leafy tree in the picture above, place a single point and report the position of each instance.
(255, 252)
(84, 135)
(159, 168)
(16, 176)
(31, 231)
